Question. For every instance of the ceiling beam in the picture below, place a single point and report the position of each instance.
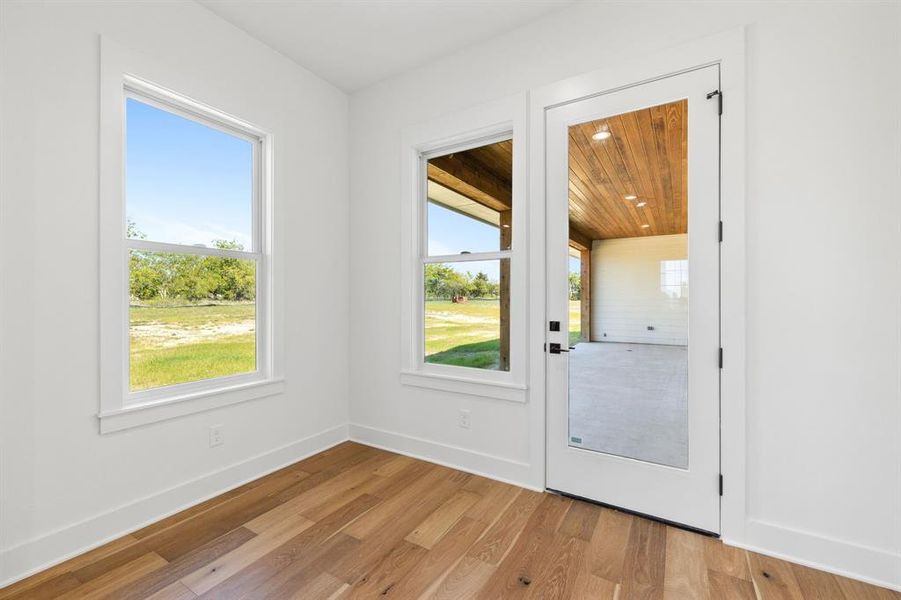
(469, 178)
(578, 239)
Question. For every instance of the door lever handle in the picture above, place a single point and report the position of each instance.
(555, 348)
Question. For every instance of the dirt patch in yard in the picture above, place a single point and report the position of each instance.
(168, 336)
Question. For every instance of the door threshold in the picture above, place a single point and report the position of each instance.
(682, 526)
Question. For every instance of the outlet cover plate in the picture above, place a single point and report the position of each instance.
(216, 437)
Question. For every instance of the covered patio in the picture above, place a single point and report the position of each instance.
(628, 212)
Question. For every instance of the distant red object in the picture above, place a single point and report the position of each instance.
(458, 299)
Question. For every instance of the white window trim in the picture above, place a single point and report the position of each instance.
(125, 74)
(484, 124)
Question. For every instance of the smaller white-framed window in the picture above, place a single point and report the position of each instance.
(185, 255)
(464, 267)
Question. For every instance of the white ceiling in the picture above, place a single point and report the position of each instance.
(354, 43)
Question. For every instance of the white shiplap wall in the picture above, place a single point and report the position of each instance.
(630, 293)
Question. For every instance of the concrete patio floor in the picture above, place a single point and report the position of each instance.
(630, 400)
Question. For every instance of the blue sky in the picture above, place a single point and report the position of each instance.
(186, 183)
(453, 233)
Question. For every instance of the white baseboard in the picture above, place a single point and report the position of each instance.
(872, 565)
(52, 548)
(463, 459)
(855, 561)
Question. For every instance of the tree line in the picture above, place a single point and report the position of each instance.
(190, 277)
(443, 282)
(575, 286)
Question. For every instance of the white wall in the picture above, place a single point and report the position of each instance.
(824, 291)
(627, 294)
(63, 485)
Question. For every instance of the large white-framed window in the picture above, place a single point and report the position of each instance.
(464, 263)
(185, 253)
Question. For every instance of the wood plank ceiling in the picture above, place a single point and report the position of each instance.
(645, 156)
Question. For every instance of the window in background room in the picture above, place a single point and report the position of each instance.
(576, 334)
(466, 257)
(674, 278)
(192, 204)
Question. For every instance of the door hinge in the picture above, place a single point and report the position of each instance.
(721, 484)
(721, 358)
(719, 99)
(721, 231)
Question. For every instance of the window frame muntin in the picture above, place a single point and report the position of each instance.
(179, 105)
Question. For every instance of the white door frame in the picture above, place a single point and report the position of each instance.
(727, 50)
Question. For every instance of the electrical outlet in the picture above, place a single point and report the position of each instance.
(465, 415)
(216, 437)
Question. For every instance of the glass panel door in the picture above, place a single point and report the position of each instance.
(632, 221)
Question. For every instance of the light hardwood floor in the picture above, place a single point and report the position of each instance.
(357, 522)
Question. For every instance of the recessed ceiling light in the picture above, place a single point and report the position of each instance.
(640, 204)
(645, 226)
(601, 135)
(630, 197)
(505, 226)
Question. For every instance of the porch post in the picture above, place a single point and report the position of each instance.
(585, 302)
(506, 233)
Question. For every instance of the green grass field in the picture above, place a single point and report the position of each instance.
(575, 322)
(467, 334)
(177, 344)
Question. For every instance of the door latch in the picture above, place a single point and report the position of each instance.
(555, 348)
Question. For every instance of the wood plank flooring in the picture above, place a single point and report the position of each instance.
(358, 522)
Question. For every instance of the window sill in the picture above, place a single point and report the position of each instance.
(513, 392)
(188, 404)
